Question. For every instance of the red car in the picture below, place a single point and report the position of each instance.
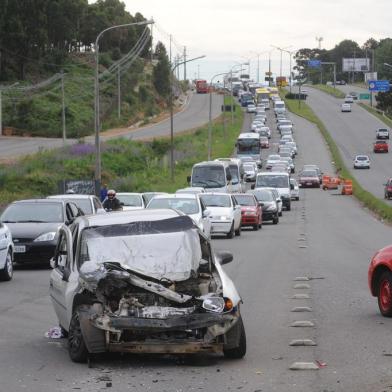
(380, 279)
(309, 178)
(380, 146)
(251, 211)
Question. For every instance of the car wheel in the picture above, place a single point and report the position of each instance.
(297, 198)
(238, 231)
(76, 347)
(384, 294)
(255, 227)
(275, 219)
(280, 213)
(230, 234)
(288, 207)
(237, 333)
(8, 270)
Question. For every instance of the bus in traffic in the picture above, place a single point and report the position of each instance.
(248, 145)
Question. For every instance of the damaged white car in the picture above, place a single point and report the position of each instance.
(144, 282)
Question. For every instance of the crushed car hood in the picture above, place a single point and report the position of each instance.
(171, 256)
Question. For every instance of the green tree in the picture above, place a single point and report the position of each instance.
(384, 101)
(161, 72)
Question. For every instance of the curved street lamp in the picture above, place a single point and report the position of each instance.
(97, 124)
(210, 113)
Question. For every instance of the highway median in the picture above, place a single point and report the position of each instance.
(377, 206)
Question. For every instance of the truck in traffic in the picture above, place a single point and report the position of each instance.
(248, 145)
(281, 81)
(201, 86)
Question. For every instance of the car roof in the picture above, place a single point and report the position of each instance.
(70, 196)
(176, 196)
(271, 174)
(39, 201)
(215, 193)
(130, 193)
(123, 217)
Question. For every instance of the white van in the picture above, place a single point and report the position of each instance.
(278, 180)
(279, 107)
(237, 173)
(213, 176)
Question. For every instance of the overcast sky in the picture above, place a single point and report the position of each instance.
(228, 31)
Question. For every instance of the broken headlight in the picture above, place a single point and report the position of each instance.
(214, 304)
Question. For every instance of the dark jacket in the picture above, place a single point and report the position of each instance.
(112, 204)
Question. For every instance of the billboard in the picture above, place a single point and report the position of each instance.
(356, 65)
(370, 76)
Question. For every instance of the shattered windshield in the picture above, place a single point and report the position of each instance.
(150, 248)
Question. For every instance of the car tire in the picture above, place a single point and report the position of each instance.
(275, 219)
(239, 351)
(280, 213)
(384, 294)
(256, 227)
(76, 347)
(230, 234)
(238, 231)
(297, 198)
(288, 207)
(7, 272)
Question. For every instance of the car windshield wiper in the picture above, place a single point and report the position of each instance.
(8, 221)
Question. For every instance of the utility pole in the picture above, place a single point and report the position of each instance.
(119, 92)
(269, 70)
(1, 119)
(152, 44)
(63, 109)
(198, 71)
(184, 63)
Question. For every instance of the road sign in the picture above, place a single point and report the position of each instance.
(314, 63)
(379, 85)
(364, 96)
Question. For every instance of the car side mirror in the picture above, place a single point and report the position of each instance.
(188, 179)
(206, 213)
(291, 186)
(252, 186)
(53, 263)
(261, 204)
(224, 257)
(228, 177)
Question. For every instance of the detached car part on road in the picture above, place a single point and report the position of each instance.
(144, 282)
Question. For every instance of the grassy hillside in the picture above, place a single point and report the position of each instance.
(126, 165)
(38, 113)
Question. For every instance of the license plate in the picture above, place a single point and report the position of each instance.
(309, 183)
(20, 249)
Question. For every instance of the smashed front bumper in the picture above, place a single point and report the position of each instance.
(195, 333)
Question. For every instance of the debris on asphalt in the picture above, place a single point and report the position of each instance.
(321, 364)
(54, 333)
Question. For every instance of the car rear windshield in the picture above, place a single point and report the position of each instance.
(130, 200)
(263, 195)
(245, 200)
(186, 205)
(309, 173)
(362, 158)
(33, 212)
(273, 181)
(216, 200)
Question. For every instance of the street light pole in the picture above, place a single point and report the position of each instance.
(210, 115)
(231, 88)
(97, 124)
(172, 114)
(281, 56)
(290, 53)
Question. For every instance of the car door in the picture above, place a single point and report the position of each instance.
(236, 213)
(205, 218)
(62, 278)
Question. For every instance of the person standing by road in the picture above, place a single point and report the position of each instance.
(104, 192)
(112, 203)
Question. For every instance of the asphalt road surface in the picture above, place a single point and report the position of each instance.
(354, 133)
(326, 237)
(194, 114)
